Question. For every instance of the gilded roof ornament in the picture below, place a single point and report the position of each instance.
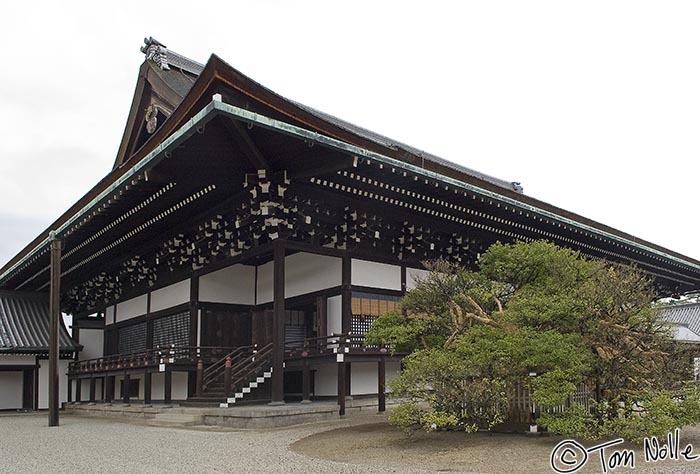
(156, 51)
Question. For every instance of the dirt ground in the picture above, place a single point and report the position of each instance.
(381, 444)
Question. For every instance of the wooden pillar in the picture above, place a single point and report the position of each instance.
(341, 384)
(55, 316)
(306, 382)
(147, 383)
(403, 278)
(346, 295)
(381, 384)
(28, 389)
(93, 380)
(200, 379)
(126, 389)
(194, 310)
(168, 387)
(78, 390)
(109, 389)
(70, 390)
(278, 324)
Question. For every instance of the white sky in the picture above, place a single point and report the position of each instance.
(594, 106)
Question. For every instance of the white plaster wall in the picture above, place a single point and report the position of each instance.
(17, 359)
(43, 388)
(363, 379)
(376, 275)
(11, 390)
(334, 315)
(170, 296)
(234, 285)
(326, 381)
(364, 376)
(132, 308)
(303, 273)
(411, 274)
(179, 387)
(92, 341)
(306, 273)
(109, 315)
(264, 283)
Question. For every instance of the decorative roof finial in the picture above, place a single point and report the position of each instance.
(156, 51)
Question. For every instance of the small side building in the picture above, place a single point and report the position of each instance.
(24, 346)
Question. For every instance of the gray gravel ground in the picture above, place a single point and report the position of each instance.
(87, 445)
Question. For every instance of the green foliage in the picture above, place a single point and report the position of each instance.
(574, 421)
(407, 416)
(538, 314)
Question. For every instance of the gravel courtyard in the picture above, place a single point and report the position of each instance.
(358, 444)
(88, 445)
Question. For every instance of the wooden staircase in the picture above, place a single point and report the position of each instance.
(234, 377)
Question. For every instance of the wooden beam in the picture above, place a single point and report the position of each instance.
(246, 144)
(55, 316)
(381, 384)
(278, 323)
(346, 295)
(147, 383)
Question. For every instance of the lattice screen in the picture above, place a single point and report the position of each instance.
(367, 307)
(132, 338)
(172, 330)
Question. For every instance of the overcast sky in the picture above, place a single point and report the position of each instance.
(594, 106)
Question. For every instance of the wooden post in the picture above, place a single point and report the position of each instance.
(109, 389)
(381, 385)
(306, 382)
(341, 384)
(70, 390)
(346, 295)
(126, 388)
(200, 378)
(278, 324)
(227, 376)
(147, 384)
(55, 316)
(168, 387)
(93, 381)
(78, 390)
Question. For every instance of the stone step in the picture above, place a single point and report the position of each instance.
(176, 419)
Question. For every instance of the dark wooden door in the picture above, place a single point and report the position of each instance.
(222, 328)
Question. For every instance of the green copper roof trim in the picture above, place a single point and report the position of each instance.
(355, 150)
(201, 118)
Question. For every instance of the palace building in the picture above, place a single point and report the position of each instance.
(242, 245)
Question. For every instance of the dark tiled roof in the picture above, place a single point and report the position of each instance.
(24, 325)
(393, 144)
(687, 315)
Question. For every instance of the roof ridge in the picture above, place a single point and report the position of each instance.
(160, 54)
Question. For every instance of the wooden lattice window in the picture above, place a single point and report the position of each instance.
(132, 338)
(172, 330)
(367, 307)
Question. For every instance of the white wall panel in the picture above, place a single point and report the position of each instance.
(412, 274)
(11, 390)
(326, 381)
(170, 296)
(376, 275)
(132, 308)
(306, 273)
(44, 382)
(92, 341)
(17, 359)
(109, 315)
(264, 283)
(234, 285)
(334, 315)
